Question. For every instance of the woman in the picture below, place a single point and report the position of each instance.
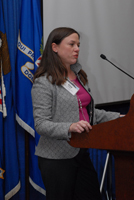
(62, 103)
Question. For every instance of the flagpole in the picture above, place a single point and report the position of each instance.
(43, 15)
(27, 165)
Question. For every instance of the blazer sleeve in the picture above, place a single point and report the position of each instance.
(42, 100)
(104, 116)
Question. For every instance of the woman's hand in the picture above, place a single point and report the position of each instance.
(80, 127)
(122, 115)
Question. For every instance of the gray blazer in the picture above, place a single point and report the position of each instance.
(54, 110)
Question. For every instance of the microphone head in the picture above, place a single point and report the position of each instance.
(103, 56)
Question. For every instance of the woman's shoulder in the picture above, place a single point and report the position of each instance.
(42, 83)
(43, 80)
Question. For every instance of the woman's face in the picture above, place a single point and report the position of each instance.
(68, 49)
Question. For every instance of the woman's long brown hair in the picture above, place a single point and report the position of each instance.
(51, 64)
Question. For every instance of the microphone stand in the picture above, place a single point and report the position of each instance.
(105, 58)
(108, 154)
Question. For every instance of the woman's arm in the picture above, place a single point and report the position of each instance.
(42, 99)
(103, 116)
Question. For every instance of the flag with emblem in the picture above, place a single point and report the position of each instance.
(9, 167)
(28, 59)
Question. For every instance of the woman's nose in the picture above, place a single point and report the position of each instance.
(77, 48)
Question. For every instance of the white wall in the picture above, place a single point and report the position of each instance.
(106, 27)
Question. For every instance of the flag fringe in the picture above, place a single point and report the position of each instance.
(37, 187)
(3, 93)
(13, 191)
(25, 126)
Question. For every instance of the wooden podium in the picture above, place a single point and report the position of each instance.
(116, 136)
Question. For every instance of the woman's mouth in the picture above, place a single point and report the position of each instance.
(76, 56)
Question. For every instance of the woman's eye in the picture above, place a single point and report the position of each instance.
(72, 44)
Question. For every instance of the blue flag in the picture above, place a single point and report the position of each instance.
(9, 167)
(28, 59)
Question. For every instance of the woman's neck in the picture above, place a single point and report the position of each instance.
(71, 74)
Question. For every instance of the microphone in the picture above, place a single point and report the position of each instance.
(105, 58)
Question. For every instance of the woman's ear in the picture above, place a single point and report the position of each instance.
(54, 47)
